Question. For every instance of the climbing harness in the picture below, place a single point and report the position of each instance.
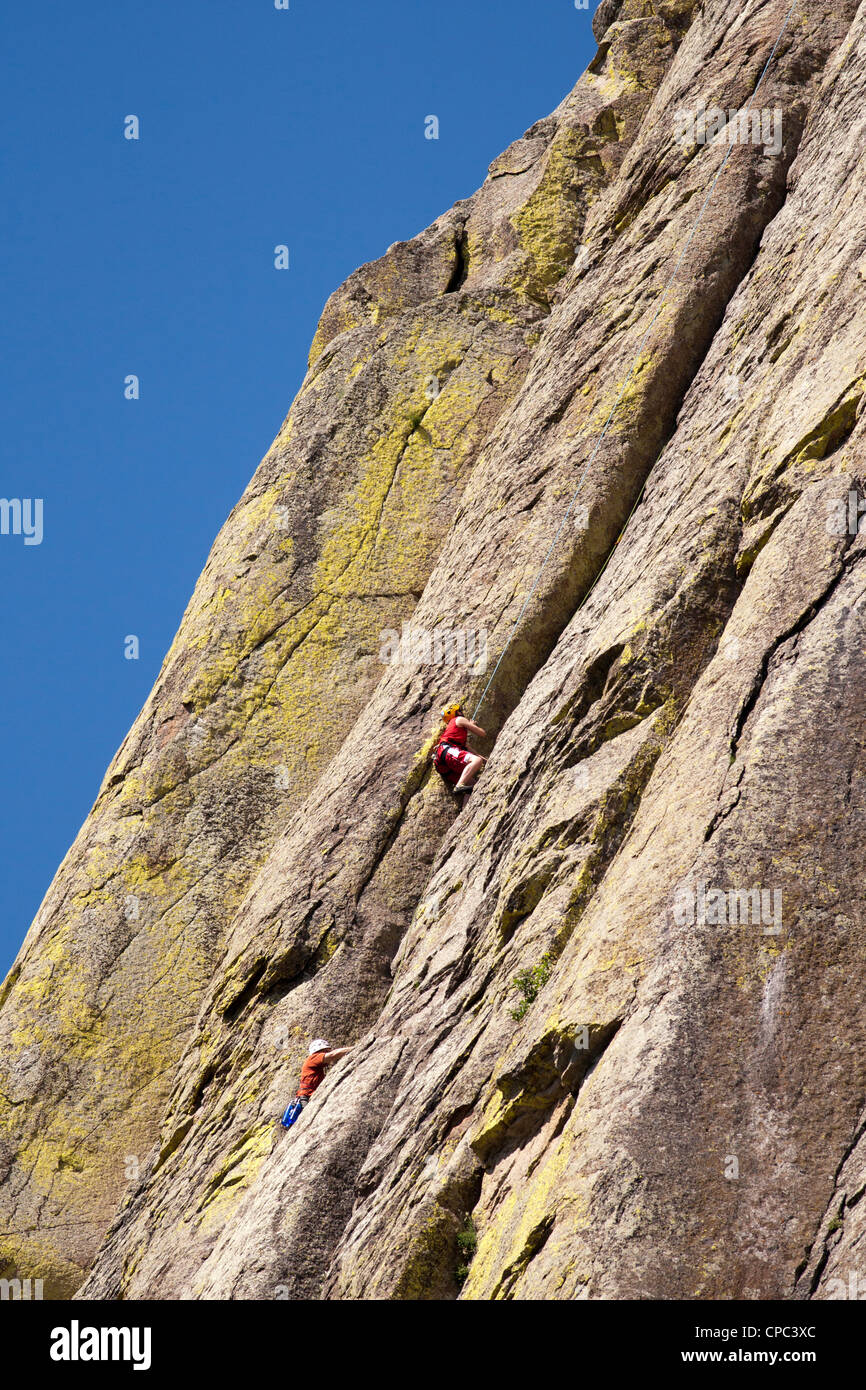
(440, 757)
(439, 754)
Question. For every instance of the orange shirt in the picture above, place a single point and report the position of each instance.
(312, 1074)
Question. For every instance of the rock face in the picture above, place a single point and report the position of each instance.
(670, 829)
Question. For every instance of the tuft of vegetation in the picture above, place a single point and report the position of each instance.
(530, 983)
(467, 1243)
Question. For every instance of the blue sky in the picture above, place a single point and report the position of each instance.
(155, 257)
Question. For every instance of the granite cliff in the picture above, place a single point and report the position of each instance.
(665, 848)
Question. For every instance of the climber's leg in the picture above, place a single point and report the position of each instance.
(474, 764)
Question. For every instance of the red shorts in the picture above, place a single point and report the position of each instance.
(452, 761)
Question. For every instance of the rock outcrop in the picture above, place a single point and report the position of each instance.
(668, 834)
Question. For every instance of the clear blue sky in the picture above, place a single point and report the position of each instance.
(155, 257)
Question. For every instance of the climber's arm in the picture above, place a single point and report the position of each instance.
(468, 724)
(335, 1054)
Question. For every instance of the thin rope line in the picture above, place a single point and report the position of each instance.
(632, 371)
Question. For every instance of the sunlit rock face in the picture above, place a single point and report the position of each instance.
(606, 1020)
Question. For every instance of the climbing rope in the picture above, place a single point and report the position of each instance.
(632, 371)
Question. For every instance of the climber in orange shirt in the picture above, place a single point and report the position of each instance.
(319, 1057)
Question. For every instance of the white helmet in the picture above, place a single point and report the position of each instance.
(318, 1045)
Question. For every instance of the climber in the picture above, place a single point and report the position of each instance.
(319, 1057)
(452, 759)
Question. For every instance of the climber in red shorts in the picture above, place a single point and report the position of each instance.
(454, 762)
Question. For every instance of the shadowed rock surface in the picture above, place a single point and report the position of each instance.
(671, 822)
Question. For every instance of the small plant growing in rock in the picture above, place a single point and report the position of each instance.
(530, 983)
(467, 1243)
